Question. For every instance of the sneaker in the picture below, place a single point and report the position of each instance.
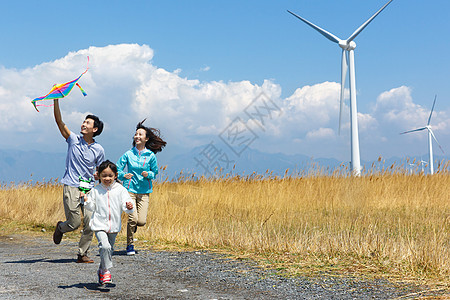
(106, 277)
(84, 259)
(130, 250)
(57, 235)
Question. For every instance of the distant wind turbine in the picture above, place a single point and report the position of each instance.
(411, 167)
(348, 46)
(422, 163)
(430, 136)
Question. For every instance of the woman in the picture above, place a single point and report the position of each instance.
(142, 167)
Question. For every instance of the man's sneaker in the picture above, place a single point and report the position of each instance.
(57, 235)
(84, 259)
(130, 250)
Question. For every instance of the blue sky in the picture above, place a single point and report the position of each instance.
(221, 52)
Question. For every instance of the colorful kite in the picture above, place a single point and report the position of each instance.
(60, 91)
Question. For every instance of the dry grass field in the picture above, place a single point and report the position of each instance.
(385, 224)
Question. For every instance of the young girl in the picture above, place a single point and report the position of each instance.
(142, 167)
(107, 201)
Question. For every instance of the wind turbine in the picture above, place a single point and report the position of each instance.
(411, 166)
(430, 136)
(422, 163)
(348, 57)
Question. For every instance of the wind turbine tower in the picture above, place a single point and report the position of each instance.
(431, 136)
(348, 58)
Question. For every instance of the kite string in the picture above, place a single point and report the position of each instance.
(87, 66)
(50, 105)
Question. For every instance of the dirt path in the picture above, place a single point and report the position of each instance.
(35, 268)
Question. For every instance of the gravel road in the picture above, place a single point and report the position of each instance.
(34, 268)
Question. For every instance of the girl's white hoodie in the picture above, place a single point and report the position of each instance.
(107, 204)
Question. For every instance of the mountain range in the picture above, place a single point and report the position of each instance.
(22, 166)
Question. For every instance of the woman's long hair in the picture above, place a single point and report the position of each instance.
(155, 142)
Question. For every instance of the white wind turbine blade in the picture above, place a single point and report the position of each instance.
(418, 129)
(323, 32)
(432, 108)
(435, 139)
(358, 31)
(344, 68)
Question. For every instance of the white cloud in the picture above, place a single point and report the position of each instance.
(312, 108)
(396, 109)
(318, 103)
(321, 133)
(193, 107)
(394, 112)
(366, 122)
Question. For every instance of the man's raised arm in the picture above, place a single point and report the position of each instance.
(65, 132)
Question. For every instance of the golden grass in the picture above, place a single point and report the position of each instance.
(388, 224)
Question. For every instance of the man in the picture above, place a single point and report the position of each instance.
(84, 155)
